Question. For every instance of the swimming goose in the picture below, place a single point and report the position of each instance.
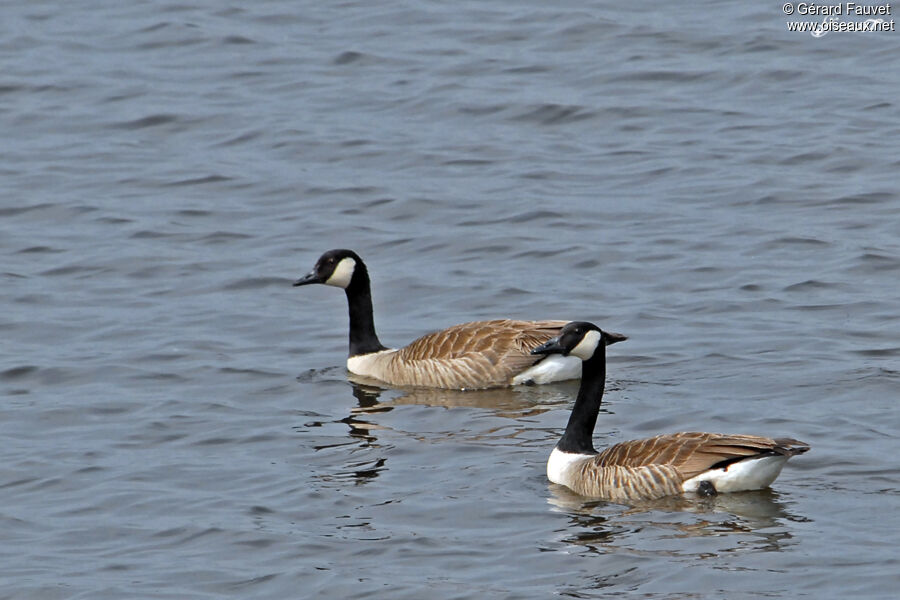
(665, 465)
(480, 354)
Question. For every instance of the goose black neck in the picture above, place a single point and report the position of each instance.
(363, 339)
(580, 428)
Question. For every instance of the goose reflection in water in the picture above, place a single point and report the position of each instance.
(510, 402)
(604, 527)
(373, 400)
(367, 398)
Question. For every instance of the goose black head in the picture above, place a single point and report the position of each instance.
(335, 267)
(578, 338)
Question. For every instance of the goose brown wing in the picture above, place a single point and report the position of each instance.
(692, 453)
(488, 352)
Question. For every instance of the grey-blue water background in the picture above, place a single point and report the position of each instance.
(177, 421)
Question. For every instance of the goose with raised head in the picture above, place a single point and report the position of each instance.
(665, 465)
(481, 354)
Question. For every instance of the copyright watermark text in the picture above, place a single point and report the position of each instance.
(839, 17)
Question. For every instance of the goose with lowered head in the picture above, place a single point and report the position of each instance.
(480, 354)
(665, 465)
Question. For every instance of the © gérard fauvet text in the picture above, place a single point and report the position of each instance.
(820, 19)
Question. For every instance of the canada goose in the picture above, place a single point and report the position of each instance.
(480, 354)
(665, 465)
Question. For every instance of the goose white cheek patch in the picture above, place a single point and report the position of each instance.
(587, 346)
(342, 273)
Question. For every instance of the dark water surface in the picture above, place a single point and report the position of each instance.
(177, 421)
